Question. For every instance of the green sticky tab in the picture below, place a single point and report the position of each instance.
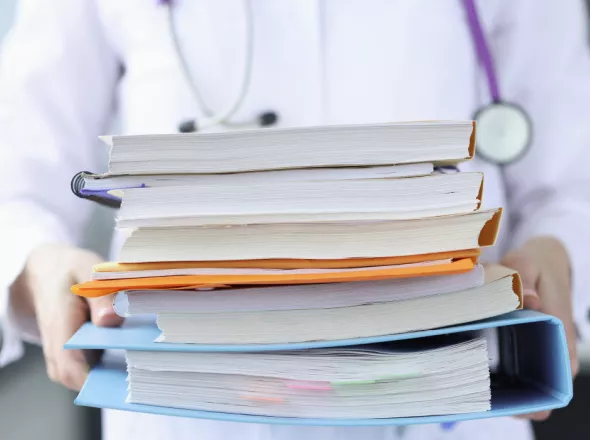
(352, 382)
(400, 376)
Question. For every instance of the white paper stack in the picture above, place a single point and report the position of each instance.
(354, 382)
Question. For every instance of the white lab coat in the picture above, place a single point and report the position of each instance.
(315, 62)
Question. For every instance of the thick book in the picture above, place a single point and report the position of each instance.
(531, 373)
(437, 142)
(294, 297)
(323, 240)
(389, 308)
(301, 201)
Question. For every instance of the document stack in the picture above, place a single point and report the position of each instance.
(319, 275)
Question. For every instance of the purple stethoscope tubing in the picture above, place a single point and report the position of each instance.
(482, 48)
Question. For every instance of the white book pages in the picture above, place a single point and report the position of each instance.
(110, 181)
(318, 324)
(354, 382)
(439, 142)
(257, 219)
(305, 296)
(306, 240)
(432, 195)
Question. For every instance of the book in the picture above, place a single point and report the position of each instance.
(437, 142)
(501, 293)
(299, 201)
(323, 240)
(293, 297)
(532, 373)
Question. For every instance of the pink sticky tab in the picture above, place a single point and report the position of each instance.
(303, 385)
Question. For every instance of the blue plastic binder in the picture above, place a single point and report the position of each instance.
(534, 373)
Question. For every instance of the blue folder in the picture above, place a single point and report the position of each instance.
(534, 373)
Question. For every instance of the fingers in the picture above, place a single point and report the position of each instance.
(68, 367)
(543, 265)
(540, 416)
(557, 302)
(522, 263)
(51, 270)
(102, 312)
(529, 276)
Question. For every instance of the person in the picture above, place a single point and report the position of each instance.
(68, 65)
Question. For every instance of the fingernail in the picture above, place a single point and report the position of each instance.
(529, 292)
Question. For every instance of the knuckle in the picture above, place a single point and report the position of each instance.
(66, 378)
(521, 263)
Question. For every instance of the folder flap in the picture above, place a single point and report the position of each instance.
(540, 357)
(140, 333)
(104, 287)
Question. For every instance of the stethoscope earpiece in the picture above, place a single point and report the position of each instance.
(212, 119)
(265, 119)
(188, 126)
(504, 130)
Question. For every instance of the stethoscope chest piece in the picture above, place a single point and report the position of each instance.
(503, 133)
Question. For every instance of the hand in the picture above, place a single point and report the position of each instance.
(544, 267)
(43, 290)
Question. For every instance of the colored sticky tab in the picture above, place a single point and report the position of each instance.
(308, 385)
(352, 382)
(401, 376)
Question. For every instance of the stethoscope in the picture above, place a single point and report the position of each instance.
(212, 119)
(503, 129)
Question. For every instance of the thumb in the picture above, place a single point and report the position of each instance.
(529, 275)
(102, 312)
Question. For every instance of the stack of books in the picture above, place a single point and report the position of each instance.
(325, 275)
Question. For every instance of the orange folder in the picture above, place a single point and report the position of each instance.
(346, 263)
(92, 289)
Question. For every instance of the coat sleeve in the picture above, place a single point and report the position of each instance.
(543, 62)
(57, 80)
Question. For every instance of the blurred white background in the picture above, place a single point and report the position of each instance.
(31, 406)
